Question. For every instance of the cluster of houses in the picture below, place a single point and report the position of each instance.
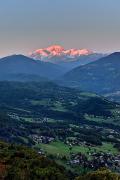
(14, 116)
(41, 139)
(96, 160)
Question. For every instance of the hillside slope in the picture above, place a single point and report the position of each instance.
(102, 76)
(12, 66)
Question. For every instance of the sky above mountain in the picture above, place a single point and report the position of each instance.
(27, 25)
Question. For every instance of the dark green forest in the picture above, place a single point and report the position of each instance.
(69, 132)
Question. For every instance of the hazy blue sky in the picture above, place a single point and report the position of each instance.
(26, 25)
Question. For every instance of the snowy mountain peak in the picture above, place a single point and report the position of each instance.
(58, 51)
(55, 48)
(78, 52)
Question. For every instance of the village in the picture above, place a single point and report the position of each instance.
(96, 160)
(72, 136)
(42, 139)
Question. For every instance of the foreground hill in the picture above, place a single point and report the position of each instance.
(17, 162)
(102, 76)
(100, 175)
(12, 67)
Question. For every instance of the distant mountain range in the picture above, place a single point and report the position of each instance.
(87, 72)
(68, 59)
(22, 68)
(102, 76)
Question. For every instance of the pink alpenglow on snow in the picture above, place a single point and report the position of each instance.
(59, 51)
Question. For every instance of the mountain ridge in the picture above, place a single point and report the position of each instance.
(68, 59)
(101, 76)
(20, 64)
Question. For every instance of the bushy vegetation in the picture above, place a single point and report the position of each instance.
(101, 174)
(21, 163)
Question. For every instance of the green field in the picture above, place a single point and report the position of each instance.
(59, 148)
(59, 107)
(40, 102)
